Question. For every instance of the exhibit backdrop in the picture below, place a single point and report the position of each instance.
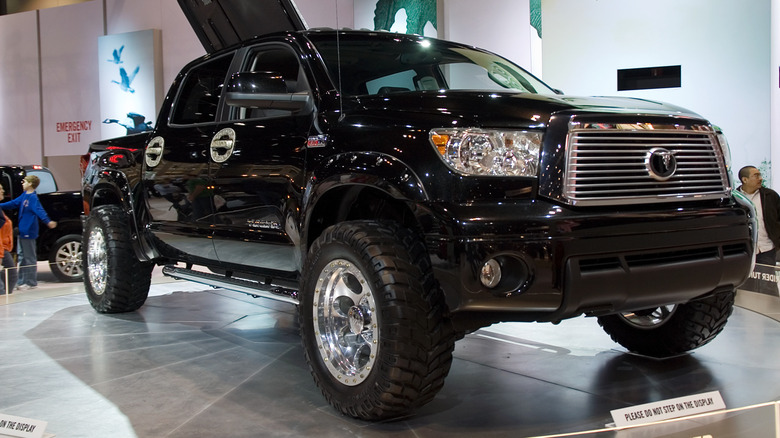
(20, 104)
(403, 16)
(130, 77)
(69, 78)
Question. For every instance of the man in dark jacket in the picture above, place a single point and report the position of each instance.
(767, 204)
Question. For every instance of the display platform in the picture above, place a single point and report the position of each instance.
(204, 363)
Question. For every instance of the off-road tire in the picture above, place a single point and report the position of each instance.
(114, 279)
(65, 259)
(686, 327)
(397, 341)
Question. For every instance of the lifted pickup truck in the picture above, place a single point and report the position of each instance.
(60, 246)
(403, 191)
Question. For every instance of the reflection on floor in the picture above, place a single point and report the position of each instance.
(207, 363)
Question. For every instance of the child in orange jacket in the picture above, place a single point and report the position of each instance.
(8, 275)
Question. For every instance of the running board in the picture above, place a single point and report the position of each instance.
(248, 287)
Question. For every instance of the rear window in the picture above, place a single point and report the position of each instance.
(47, 184)
(199, 94)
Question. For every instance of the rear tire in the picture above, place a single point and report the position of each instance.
(65, 259)
(114, 279)
(373, 322)
(670, 330)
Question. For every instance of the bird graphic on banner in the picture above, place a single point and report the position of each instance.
(117, 58)
(126, 80)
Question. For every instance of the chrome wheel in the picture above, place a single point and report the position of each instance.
(372, 320)
(649, 318)
(67, 259)
(97, 261)
(345, 322)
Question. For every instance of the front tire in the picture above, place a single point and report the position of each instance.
(373, 322)
(114, 279)
(670, 330)
(65, 259)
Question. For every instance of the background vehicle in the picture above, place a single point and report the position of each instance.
(403, 191)
(60, 246)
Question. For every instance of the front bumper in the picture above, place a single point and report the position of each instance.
(558, 263)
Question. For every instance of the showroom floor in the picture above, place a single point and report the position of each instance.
(199, 362)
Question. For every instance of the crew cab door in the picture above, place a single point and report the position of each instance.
(258, 185)
(176, 162)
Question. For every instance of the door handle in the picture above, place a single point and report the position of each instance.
(222, 145)
(154, 152)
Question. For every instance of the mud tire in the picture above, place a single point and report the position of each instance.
(381, 348)
(114, 279)
(671, 330)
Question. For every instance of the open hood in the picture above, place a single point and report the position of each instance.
(222, 23)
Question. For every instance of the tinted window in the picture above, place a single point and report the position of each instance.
(376, 64)
(47, 184)
(5, 180)
(199, 94)
(279, 60)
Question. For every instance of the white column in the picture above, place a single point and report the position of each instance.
(774, 112)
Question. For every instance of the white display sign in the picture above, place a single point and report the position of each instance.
(21, 427)
(129, 74)
(668, 409)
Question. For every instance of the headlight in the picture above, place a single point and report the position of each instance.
(489, 152)
(724, 147)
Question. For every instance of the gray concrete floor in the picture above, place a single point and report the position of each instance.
(197, 362)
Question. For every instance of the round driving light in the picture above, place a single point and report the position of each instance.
(490, 275)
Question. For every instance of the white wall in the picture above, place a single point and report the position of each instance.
(180, 45)
(500, 26)
(723, 47)
(20, 101)
(774, 86)
(335, 14)
(69, 77)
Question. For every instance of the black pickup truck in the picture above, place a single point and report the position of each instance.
(403, 191)
(60, 246)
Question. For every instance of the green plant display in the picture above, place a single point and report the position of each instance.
(536, 16)
(418, 14)
(766, 173)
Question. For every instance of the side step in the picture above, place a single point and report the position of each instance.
(248, 287)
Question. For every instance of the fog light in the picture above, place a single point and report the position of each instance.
(490, 275)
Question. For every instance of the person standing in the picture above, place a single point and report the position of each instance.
(8, 275)
(767, 204)
(30, 212)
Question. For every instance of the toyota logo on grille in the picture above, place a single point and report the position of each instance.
(661, 164)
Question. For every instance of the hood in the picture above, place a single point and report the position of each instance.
(486, 108)
(624, 105)
(223, 23)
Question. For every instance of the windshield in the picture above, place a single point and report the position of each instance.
(381, 64)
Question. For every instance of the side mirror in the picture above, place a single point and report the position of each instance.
(263, 89)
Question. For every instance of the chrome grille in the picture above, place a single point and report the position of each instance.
(613, 164)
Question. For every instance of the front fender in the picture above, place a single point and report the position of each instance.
(374, 169)
(334, 186)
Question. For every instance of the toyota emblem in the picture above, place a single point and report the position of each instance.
(661, 164)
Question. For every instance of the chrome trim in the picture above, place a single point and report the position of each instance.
(249, 287)
(154, 151)
(607, 164)
(222, 145)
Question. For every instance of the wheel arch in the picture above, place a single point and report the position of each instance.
(362, 186)
(116, 188)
